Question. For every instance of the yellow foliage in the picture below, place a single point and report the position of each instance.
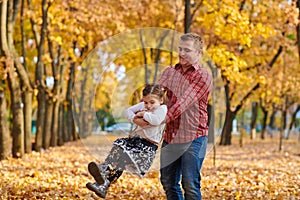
(46, 59)
(104, 90)
(81, 41)
(72, 54)
(262, 80)
(241, 41)
(57, 39)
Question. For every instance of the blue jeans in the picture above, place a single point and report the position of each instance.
(182, 162)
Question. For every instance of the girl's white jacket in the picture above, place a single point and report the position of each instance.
(155, 118)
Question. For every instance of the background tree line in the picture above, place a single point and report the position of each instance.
(44, 43)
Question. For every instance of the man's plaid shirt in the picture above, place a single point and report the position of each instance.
(187, 98)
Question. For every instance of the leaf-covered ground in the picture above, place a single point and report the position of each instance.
(255, 171)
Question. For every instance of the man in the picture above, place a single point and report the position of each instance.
(188, 86)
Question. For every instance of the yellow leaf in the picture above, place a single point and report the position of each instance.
(58, 39)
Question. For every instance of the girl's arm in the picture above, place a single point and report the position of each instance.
(140, 122)
(131, 111)
(156, 117)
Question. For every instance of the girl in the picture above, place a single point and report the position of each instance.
(135, 153)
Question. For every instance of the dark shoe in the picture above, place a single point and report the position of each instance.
(100, 190)
(99, 172)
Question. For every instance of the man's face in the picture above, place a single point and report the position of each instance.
(188, 54)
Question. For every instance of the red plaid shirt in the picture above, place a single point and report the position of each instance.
(187, 98)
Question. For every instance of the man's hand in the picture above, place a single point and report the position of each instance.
(140, 121)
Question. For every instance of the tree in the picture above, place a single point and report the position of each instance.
(4, 132)
(237, 34)
(26, 85)
(8, 20)
(40, 81)
(298, 45)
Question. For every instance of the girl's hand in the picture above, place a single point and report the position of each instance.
(140, 122)
(140, 114)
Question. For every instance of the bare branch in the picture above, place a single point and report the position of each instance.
(33, 25)
(196, 9)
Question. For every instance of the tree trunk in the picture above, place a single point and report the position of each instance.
(80, 119)
(271, 123)
(62, 95)
(70, 123)
(66, 135)
(211, 131)
(253, 120)
(298, 29)
(40, 119)
(283, 126)
(48, 122)
(83, 124)
(61, 125)
(4, 131)
(27, 99)
(26, 87)
(88, 125)
(229, 116)
(34, 26)
(226, 132)
(13, 79)
(55, 125)
(57, 71)
(298, 43)
(40, 81)
(264, 125)
(211, 108)
(145, 57)
(187, 16)
(211, 122)
(241, 128)
(293, 119)
(75, 135)
(158, 54)
(17, 114)
(70, 120)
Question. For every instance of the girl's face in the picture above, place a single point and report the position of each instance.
(152, 102)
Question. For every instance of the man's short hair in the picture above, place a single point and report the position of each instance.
(197, 39)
